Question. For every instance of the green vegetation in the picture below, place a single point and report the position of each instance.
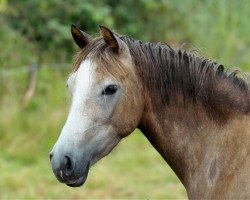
(34, 31)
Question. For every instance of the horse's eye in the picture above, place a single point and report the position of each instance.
(110, 89)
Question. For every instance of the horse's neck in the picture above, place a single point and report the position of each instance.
(201, 152)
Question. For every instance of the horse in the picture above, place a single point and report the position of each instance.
(194, 112)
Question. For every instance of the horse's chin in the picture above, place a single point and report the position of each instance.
(80, 181)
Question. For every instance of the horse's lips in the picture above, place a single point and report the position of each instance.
(80, 181)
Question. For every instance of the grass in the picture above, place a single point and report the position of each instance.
(133, 170)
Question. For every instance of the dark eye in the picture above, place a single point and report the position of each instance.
(110, 89)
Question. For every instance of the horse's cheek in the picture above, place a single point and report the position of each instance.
(128, 116)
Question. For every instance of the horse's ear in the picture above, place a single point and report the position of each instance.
(81, 38)
(109, 37)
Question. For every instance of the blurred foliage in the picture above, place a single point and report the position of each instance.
(16, 51)
(45, 24)
(219, 28)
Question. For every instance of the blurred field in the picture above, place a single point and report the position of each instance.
(217, 29)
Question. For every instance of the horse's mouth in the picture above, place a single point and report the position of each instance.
(80, 181)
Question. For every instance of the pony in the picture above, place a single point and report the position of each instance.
(195, 113)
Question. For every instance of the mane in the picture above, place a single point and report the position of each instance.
(173, 74)
(179, 76)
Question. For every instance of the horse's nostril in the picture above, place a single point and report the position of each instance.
(68, 164)
(50, 155)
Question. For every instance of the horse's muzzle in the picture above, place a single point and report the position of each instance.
(65, 171)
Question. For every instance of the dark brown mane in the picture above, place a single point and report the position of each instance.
(169, 74)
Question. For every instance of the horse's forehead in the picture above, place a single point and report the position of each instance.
(88, 73)
(106, 66)
(85, 75)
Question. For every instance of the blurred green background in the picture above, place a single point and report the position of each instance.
(38, 32)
